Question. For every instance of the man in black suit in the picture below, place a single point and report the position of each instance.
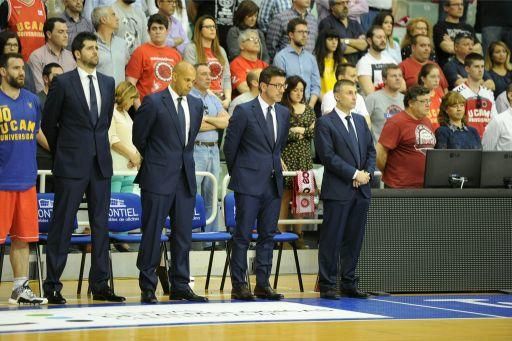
(255, 137)
(164, 131)
(345, 147)
(76, 119)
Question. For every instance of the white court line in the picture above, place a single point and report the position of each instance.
(438, 308)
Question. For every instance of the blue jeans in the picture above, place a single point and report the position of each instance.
(207, 160)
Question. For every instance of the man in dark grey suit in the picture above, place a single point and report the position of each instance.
(164, 131)
(76, 119)
(255, 137)
(345, 146)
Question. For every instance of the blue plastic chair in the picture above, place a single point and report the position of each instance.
(199, 222)
(125, 215)
(45, 213)
(280, 238)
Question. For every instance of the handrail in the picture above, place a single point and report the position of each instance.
(211, 218)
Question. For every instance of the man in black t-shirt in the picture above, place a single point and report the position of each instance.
(445, 31)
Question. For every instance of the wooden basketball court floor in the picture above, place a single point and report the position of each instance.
(301, 316)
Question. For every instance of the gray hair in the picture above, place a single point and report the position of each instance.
(245, 34)
(97, 14)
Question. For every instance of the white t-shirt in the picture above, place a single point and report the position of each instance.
(329, 102)
(370, 66)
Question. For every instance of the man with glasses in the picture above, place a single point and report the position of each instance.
(250, 46)
(446, 30)
(480, 105)
(256, 135)
(404, 140)
(352, 37)
(206, 150)
(176, 37)
(295, 60)
(277, 35)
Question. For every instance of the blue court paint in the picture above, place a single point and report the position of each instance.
(305, 310)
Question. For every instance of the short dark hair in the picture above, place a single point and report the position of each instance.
(414, 92)
(48, 68)
(388, 67)
(5, 57)
(290, 28)
(245, 9)
(49, 25)
(341, 83)
(158, 19)
(414, 39)
(6, 35)
(425, 70)
(372, 30)
(341, 69)
(462, 35)
(471, 58)
(78, 42)
(269, 72)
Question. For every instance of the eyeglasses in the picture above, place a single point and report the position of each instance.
(253, 39)
(279, 86)
(209, 27)
(205, 110)
(479, 102)
(456, 5)
(302, 32)
(12, 45)
(424, 101)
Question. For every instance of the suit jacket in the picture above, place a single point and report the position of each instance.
(250, 157)
(158, 137)
(67, 125)
(338, 156)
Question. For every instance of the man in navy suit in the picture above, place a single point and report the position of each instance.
(76, 119)
(164, 131)
(255, 137)
(345, 147)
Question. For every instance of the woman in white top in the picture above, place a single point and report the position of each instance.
(125, 156)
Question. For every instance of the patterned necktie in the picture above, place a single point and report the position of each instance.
(94, 102)
(353, 138)
(270, 125)
(181, 118)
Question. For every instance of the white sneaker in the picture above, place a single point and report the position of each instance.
(24, 295)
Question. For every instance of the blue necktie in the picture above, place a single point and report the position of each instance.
(353, 139)
(181, 118)
(94, 102)
(270, 125)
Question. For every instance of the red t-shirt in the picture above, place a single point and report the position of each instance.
(241, 66)
(411, 69)
(435, 105)
(407, 140)
(216, 69)
(152, 66)
(27, 20)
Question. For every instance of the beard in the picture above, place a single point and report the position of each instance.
(17, 83)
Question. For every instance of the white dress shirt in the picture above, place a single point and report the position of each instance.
(84, 78)
(498, 133)
(343, 116)
(184, 104)
(264, 105)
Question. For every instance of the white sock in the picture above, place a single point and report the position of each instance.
(18, 282)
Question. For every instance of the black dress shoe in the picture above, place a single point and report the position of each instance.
(54, 297)
(148, 297)
(267, 293)
(107, 295)
(329, 294)
(187, 295)
(242, 293)
(354, 293)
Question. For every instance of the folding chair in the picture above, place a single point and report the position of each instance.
(124, 216)
(45, 213)
(280, 238)
(199, 222)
